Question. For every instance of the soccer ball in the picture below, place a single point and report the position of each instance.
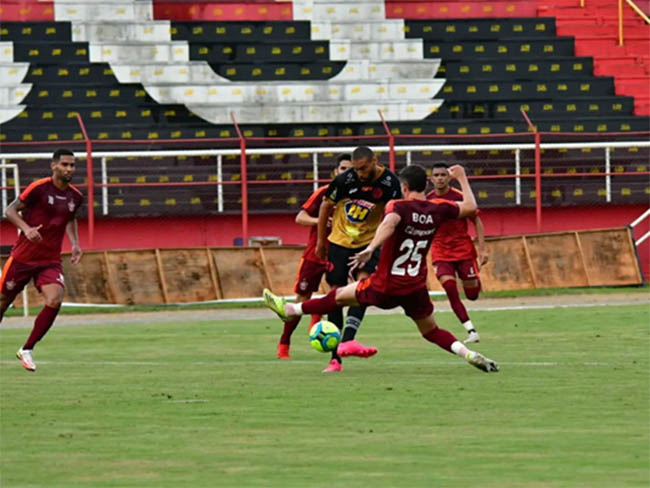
(324, 336)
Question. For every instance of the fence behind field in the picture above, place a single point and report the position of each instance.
(159, 276)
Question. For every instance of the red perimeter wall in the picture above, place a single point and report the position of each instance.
(162, 232)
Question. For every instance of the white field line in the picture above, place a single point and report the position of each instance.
(395, 362)
(542, 307)
(216, 315)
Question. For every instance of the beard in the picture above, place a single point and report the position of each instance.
(370, 176)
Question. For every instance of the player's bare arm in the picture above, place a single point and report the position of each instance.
(384, 231)
(31, 233)
(323, 217)
(468, 204)
(72, 230)
(304, 219)
(480, 234)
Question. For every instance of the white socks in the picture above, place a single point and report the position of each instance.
(461, 350)
(468, 325)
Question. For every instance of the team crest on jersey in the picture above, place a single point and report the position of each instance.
(358, 210)
(71, 206)
(50, 199)
(11, 284)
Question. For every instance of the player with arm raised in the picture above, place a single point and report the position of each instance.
(311, 268)
(405, 236)
(48, 208)
(453, 252)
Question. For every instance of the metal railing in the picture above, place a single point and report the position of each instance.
(636, 222)
(621, 23)
(409, 153)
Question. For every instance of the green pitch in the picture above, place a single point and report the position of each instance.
(207, 405)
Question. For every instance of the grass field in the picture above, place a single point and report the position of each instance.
(205, 404)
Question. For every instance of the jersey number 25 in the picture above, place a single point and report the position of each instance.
(411, 258)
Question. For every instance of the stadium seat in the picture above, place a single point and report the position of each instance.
(35, 31)
(6, 52)
(244, 31)
(518, 69)
(531, 49)
(12, 74)
(13, 95)
(322, 73)
(114, 11)
(339, 11)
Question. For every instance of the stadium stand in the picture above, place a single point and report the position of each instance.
(154, 70)
(325, 72)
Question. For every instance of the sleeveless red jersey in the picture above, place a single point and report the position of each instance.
(312, 206)
(402, 267)
(52, 208)
(452, 241)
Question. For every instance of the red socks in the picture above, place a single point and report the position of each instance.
(454, 299)
(441, 337)
(320, 306)
(42, 324)
(289, 327)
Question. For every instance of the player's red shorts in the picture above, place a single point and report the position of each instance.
(466, 269)
(416, 305)
(15, 276)
(310, 274)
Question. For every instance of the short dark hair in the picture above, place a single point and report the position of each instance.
(440, 164)
(343, 157)
(61, 152)
(362, 152)
(415, 177)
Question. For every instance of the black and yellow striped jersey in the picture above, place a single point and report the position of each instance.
(359, 206)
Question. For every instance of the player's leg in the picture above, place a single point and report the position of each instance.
(468, 272)
(340, 297)
(336, 277)
(5, 302)
(349, 346)
(13, 279)
(49, 281)
(287, 330)
(53, 296)
(446, 274)
(309, 277)
(418, 306)
(354, 317)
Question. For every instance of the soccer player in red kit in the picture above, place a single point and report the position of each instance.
(311, 268)
(48, 207)
(453, 251)
(405, 235)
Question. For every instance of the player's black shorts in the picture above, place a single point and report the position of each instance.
(339, 257)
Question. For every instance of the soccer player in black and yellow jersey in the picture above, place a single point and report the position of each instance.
(355, 200)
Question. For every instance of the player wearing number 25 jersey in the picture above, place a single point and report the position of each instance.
(405, 235)
(402, 265)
